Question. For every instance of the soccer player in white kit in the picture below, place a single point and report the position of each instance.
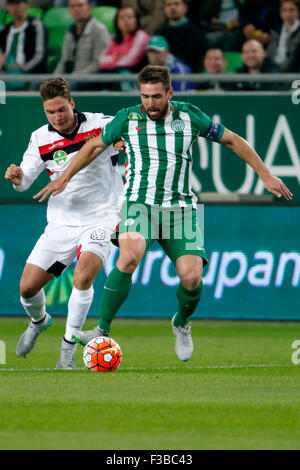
(80, 221)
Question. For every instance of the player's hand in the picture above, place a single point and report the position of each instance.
(276, 186)
(14, 174)
(53, 188)
(119, 146)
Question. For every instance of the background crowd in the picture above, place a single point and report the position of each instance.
(194, 36)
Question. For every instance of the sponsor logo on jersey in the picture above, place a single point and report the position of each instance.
(134, 116)
(98, 234)
(129, 222)
(56, 144)
(177, 125)
(60, 157)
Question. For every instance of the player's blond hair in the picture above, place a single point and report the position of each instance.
(54, 87)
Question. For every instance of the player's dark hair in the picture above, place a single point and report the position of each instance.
(54, 87)
(155, 74)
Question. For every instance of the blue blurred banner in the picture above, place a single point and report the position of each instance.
(253, 273)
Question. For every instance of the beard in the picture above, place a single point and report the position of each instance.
(159, 113)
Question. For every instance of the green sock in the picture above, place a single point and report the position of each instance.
(188, 301)
(115, 292)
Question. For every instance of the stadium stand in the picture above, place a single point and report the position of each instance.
(234, 61)
(56, 20)
(106, 15)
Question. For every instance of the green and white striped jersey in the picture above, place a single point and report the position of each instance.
(159, 153)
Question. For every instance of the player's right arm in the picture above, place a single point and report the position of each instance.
(32, 165)
(14, 174)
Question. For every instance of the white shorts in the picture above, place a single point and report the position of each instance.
(59, 245)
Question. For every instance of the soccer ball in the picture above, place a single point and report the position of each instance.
(102, 354)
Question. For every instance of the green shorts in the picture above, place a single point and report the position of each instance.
(176, 229)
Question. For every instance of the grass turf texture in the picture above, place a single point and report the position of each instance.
(239, 391)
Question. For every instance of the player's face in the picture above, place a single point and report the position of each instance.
(59, 112)
(156, 100)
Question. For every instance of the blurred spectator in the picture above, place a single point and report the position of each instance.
(257, 17)
(86, 39)
(282, 45)
(158, 53)
(185, 39)
(151, 11)
(256, 61)
(127, 50)
(110, 3)
(44, 4)
(215, 63)
(23, 43)
(221, 19)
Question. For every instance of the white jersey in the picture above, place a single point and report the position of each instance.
(94, 192)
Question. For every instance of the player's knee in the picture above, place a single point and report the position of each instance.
(27, 290)
(128, 261)
(82, 280)
(191, 280)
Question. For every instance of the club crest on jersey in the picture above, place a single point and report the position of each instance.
(177, 125)
(134, 116)
(60, 157)
(98, 234)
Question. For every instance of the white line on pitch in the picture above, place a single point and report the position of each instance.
(231, 366)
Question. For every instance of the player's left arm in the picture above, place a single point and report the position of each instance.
(245, 151)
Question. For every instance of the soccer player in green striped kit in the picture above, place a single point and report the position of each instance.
(159, 135)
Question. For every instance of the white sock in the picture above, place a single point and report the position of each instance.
(78, 307)
(35, 306)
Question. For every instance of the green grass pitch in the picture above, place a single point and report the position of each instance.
(239, 391)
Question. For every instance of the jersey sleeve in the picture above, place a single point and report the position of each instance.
(211, 130)
(113, 130)
(103, 121)
(32, 165)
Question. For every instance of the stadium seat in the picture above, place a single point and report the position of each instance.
(234, 61)
(57, 20)
(2, 16)
(106, 15)
(7, 19)
(36, 12)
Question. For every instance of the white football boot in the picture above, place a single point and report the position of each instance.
(66, 359)
(28, 338)
(183, 341)
(83, 337)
